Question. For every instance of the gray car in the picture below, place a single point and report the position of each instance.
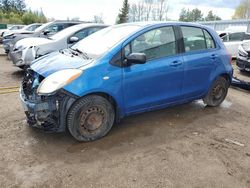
(28, 49)
(46, 30)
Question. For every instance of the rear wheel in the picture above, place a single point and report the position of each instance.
(217, 93)
(90, 118)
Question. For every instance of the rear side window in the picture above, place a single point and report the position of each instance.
(156, 43)
(55, 28)
(209, 40)
(193, 39)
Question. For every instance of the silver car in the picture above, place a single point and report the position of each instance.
(28, 49)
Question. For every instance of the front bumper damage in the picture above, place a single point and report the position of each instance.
(44, 112)
(22, 57)
(7, 45)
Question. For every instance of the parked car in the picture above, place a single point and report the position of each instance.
(31, 27)
(123, 70)
(233, 40)
(243, 58)
(46, 30)
(11, 28)
(28, 49)
(231, 29)
(28, 28)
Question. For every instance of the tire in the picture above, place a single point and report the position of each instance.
(90, 118)
(23, 67)
(217, 92)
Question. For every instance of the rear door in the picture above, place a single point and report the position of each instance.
(200, 59)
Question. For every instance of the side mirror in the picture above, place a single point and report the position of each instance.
(46, 32)
(73, 39)
(136, 58)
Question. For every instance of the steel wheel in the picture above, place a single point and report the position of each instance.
(90, 118)
(217, 93)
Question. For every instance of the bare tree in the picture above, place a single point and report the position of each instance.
(161, 10)
(132, 13)
(141, 12)
(98, 19)
(146, 10)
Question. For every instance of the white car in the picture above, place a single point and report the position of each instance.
(27, 28)
(28, 49)
(233, 40)
(11, 28)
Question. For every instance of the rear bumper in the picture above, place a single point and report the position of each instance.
(47, 113)
(243, 63)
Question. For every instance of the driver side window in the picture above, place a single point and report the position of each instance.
(155, 44)
(55, 28)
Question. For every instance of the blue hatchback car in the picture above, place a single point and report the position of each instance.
(123, 70)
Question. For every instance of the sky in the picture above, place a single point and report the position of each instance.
(109, 9)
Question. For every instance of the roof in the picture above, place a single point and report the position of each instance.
(151, 23)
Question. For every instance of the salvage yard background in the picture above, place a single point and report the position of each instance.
(185, 146)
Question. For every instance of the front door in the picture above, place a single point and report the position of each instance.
(159, 80)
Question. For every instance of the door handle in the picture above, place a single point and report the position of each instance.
(214, 56)
(175, 63)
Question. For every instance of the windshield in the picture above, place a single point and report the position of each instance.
(42, 27)
(100, 42)
(29, 27)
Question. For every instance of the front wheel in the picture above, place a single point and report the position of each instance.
(217, 93)
(90, 118)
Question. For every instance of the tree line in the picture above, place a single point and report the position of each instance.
(16, 12)
(157, 10)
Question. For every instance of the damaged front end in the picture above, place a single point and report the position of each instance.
(47, 112)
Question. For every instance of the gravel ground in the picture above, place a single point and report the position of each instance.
(189, 145)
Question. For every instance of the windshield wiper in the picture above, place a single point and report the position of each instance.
(81, 52)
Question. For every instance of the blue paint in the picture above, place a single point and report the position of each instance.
(143, 87)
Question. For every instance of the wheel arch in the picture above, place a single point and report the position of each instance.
(227, 77)
(112, 100)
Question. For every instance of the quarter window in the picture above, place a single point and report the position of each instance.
(155, 43)
(209, 40)
(193, 38)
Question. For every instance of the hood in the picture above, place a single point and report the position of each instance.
(15, 32)
(24, 32)
(56, 61)
(32, 41)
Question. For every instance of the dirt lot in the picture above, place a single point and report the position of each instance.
(185, 146)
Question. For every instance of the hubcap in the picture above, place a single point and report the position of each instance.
(91, 120)
(218, 92)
